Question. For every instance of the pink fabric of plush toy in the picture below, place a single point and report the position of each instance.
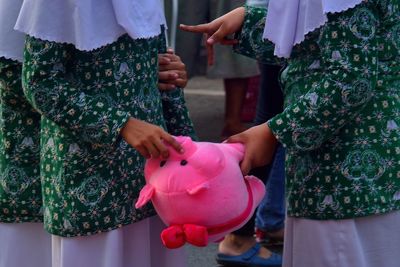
(201, 194)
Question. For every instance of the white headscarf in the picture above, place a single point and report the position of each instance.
(11, 41)
(90, 24)
(288, 21)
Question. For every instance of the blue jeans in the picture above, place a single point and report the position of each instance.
(270, 215)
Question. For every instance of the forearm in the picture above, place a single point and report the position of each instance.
(251, 41)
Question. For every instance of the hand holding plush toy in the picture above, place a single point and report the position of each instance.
(201, 194)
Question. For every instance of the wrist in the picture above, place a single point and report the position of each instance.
(129, 123)
(270, 135)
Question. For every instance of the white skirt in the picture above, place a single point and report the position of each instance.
(135, 245)
(24, 244)
(372, 241)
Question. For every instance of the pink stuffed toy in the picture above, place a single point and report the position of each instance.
(201, 194)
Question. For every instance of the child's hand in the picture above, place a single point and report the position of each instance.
(148, 139)
(172, 71)
(260, 146)
(219, 29)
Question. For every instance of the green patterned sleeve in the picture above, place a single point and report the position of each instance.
(60, 98)
(340, 90)
(175, 111)
(176, 114)
(251, 41)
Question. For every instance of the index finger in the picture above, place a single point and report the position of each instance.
(163, 60)
(172, 57)
(237, 138)
(201, 28)
(171, 141)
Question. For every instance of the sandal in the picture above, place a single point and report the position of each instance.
(269, 238)
(250, 259)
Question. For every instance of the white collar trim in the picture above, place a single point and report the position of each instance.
(90, 24)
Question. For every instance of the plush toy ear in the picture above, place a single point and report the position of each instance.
(198, 189)
(145, 195)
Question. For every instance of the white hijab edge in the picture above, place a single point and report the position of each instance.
(289, 21)
(95, 23)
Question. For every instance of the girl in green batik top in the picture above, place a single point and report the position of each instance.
(340, 125)
(90, 70)
(23, 241)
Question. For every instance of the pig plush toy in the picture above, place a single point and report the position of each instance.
(201, 195)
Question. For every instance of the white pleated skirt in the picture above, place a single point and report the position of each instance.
(372, 241)
(135, 245)
(24, 245)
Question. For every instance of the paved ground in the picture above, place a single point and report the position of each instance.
(205, 99)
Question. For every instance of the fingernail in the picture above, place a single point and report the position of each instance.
(210, 41)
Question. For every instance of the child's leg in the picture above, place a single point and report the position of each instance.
(235, 93)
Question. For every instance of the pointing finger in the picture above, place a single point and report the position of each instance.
(201, 28)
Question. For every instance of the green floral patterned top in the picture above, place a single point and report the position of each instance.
(20, 191)
(342, 111)
(90, 176)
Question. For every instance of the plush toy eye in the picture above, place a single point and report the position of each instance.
(162, 163)
(184, 162)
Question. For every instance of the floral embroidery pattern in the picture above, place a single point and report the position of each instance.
(20, 192)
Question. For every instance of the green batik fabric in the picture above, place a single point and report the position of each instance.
(251, 41)
(91, 177)
(342, 112)
(20, 190)
(176, 114)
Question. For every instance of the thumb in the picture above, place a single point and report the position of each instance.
(219, 35)
(245, 165)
